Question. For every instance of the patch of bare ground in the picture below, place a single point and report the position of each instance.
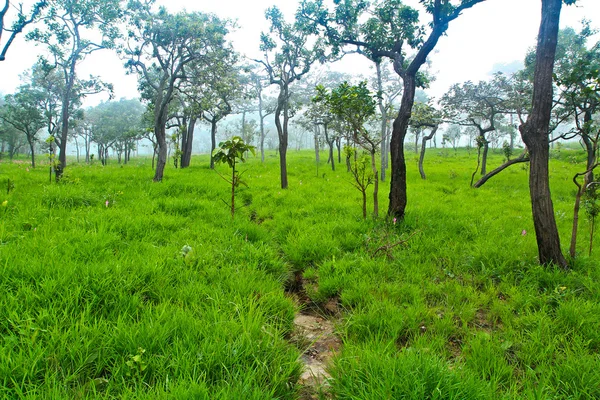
(314, 334)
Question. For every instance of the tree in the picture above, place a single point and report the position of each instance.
(425, 116)
(222, 88)
(266, 105)
(161, 49)
(388, 89)
(21, 22)
(577, 76)
(388, 28)
(73, 30)
(10, 138)
(22, 111)
(355, 105)
(116, 125)
(229, 152)
(288, 56)
(534, 133)
(479, 105)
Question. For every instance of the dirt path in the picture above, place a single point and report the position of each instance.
(314, 334)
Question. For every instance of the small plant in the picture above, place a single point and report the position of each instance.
(230, 152)
(51, 155)
(360, 167)
(136, 364)
(507, 150)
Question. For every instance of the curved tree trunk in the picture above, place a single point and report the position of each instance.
(535, 135)
(521, 159)
(423, 148)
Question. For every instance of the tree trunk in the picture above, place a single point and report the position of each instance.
(317, 150)
(32, 149)
(486, 148)
(398, 199)
(535, 135)
(423, 148)
(162, 153)
(64, 131)
(262, 127)
(282, 132)
(187, 141)
(213, 141)
(522, 158)
(383, 111)
(375, 184)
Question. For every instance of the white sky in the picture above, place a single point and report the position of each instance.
(491, 33)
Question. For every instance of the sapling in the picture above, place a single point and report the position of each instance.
(362, 174)
(229, 152)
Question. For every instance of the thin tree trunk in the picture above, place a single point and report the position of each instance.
(213, 141)
(32, 148)
(375, 184)
(423, 149)
(383, 111)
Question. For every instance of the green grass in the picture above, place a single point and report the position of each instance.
(100, 301)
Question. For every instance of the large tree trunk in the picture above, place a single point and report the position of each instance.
(535, 135)
(161, 160)
(486, 148)
(187, 141)
(397, 196)
(160, 122)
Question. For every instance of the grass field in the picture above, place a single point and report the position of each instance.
(116, 287)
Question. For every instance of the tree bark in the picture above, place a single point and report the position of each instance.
(32, 147)
(213, 141)
(398, 199)
(423, 148)
(522, 158)
(187, 143)
(375, 183)
(161, 160)
(486, 148)
(383, 111)
(64, 129)
(535, 135)
(282, 131)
